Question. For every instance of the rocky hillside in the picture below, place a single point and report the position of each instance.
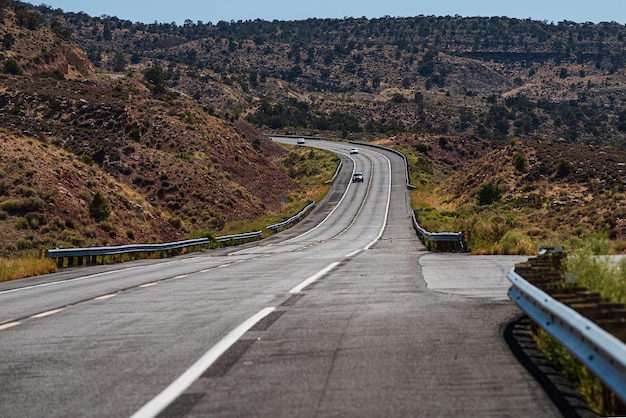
(548, 191)
(486, 77)
(164, 166)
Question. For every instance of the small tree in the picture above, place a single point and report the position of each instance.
(12, 67)
(488, 194)
(154, 75)
(60, 30)
(520, 162)
(99, 208)
(8, 41)
(563, 168)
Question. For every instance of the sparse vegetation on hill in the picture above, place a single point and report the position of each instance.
(96, 159)
(489, 77)
(562, 193)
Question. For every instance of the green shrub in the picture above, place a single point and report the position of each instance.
(422, 148)
(520, 162)
(489, 194)
(99, 208)
(21, 223)
(12, 67)
(514, 242)
(35, 220)
(563, 168)
(16, 206)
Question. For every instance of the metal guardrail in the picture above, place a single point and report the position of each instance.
(336, 173)
(456, 239)
(602, 353)
(295, 136)
(90, 254)
(294, 218)
(239, 237)
(123, 249)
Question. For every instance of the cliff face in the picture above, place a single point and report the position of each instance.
(38, 50)
(65, 58)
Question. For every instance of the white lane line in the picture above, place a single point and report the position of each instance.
(148, 284)
(77, 279)
(44, 314)
(382, 229)
(9, 325)
(91, 276)
(313, 278)
(353, 254)
(105, 297)
(182, 276)
(174, 390)
(345, 193)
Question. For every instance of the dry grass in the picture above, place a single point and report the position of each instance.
(18, 268)
(536, 208)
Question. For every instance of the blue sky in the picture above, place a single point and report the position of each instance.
(149, 11)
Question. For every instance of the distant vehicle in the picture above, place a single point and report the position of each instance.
(354, 151)
(357, 177)
(301, 141)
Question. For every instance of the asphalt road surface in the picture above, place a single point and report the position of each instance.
(344, 315)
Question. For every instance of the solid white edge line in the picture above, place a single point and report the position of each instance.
(380, 234)
(313, 278)
(345, 193)
(44, 314)
(174, 390)
(77, 279)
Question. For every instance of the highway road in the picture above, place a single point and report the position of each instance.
(346, 314)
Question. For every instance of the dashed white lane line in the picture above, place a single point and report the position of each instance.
(182, 276)
(313, 278)
(148, 284)
(174, 390)
(48, 313)
(9, 325)
(104, 297)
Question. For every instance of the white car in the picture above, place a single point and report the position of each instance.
(354, 151)
(300, 141)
